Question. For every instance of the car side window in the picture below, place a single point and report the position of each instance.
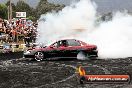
(73, 43)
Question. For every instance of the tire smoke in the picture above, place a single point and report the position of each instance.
(82, 56)
(113, 38)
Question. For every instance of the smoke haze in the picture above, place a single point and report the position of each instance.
(113, 38)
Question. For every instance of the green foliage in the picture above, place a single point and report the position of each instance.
(32, 13)
(21, 6)
(31, 18)
(13, 8)
(44, 6)
(3, 11)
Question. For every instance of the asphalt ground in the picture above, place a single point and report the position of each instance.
(17, 72)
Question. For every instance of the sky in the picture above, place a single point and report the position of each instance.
(104, 6)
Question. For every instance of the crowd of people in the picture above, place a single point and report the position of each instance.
(17, 30)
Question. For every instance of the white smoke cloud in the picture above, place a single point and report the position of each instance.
(113, 38)
(68, 22)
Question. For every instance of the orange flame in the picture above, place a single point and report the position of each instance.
(81, 71)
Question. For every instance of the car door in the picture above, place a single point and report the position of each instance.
(68, 48)
(74, 47)
(57, 49)
(63, 48)
(53, 50)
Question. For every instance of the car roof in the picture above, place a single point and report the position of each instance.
(67, 39)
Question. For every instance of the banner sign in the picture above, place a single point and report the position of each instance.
(20, 14)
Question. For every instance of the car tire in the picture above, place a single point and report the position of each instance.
(82, 56)
(39, 56)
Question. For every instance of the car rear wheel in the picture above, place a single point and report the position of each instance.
(39, 56)
(83, 56)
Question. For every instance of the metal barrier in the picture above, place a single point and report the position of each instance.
(11, 51)
(12, 47)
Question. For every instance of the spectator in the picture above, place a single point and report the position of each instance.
(14, 29)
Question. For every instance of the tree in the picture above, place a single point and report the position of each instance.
(31, 18)
(44, 6)
(21, 6)
(13, 8)
(3, 11)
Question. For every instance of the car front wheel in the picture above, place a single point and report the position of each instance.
(39, 56)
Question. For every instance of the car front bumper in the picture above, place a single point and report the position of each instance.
(28, 54)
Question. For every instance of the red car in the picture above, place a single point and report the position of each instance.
(69, 48)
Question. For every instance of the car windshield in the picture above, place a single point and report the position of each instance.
(36, 45)
(55, 44)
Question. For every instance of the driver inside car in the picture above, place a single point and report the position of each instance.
(63, 44)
